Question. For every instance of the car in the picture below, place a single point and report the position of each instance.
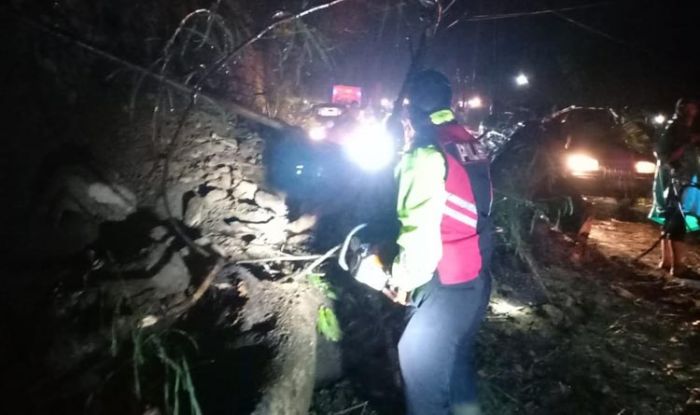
(596, 157)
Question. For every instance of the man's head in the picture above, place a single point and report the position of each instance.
(428, 91)
(687, 109)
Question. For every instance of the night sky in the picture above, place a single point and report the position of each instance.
(618, 53)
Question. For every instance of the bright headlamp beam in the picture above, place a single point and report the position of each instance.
(475, 102)
(581, 163)
(645, 167)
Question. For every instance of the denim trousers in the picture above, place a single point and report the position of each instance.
(436, 350)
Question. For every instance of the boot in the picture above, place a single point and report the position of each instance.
(678, 249)
(666, 255)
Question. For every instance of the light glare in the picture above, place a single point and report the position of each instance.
(475, 102)
(645, 167)
(370, 147)
(659, 119)
(318, 133)
(522, 80)
(581, 163)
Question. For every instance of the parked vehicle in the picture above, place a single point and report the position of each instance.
(596, 157)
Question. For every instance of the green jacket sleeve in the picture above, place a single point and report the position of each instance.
(421, 200)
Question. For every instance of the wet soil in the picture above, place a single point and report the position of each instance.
(606, 335)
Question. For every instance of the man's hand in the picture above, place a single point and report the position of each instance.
(371, 273)
(396, 295)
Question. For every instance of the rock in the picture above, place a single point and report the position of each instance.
(553, 313)
(156, 253)
(255, 251)
(236, 228)
(249, 213)
(194, 213)
(158, 233)
(245, 190)
(228, 141)
(173, 278)
(273, 231)
(329, 358)
(214, 196)
(302, 224)
(176, 193)
(299, 239)
(271, 201)
(118, 196)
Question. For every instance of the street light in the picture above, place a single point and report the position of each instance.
(522, 80)
(659, 119)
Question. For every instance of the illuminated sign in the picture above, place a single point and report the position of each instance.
(346, 94)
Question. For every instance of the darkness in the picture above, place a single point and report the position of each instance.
(618, 53)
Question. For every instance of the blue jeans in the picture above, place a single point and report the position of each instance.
(436, 348)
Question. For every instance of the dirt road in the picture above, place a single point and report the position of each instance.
(608, 336)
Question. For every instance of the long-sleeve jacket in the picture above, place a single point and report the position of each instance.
(444, 203)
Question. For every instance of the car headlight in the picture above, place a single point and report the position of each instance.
(370, 146)
(581, 163)
(318, 133)
(645, 167)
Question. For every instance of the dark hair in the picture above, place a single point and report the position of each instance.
(429, 91)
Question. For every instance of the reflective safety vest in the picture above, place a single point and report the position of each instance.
(444, 202)
(466, 227)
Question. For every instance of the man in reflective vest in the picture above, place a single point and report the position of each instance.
(445, 244)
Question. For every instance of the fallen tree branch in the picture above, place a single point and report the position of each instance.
(228, 105)
(362, 405)
(204, 286)
(308, 270)
(288, 258)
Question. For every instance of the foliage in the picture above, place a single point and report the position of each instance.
(327, 324)
(165, 353)
(319, 281)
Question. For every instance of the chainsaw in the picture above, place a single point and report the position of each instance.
(364, 264)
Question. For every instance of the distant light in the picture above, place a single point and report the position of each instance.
(460, 104)
(475, 102)
(659, 119)
(385, 103)
(406, 101)
(522, 80)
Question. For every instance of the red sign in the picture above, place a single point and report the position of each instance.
(346, 94)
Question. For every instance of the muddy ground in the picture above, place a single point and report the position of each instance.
(607, 336)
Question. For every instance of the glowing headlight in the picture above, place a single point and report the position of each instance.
(370, 147)
(659, 119)
(581, 163)
(644, 167)
(318, 133)
(475, 102)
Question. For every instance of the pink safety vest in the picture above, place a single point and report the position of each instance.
(466, 228)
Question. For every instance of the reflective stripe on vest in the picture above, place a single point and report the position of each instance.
(458, 215)
(464, 204)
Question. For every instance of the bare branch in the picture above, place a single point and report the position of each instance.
(500, 16)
